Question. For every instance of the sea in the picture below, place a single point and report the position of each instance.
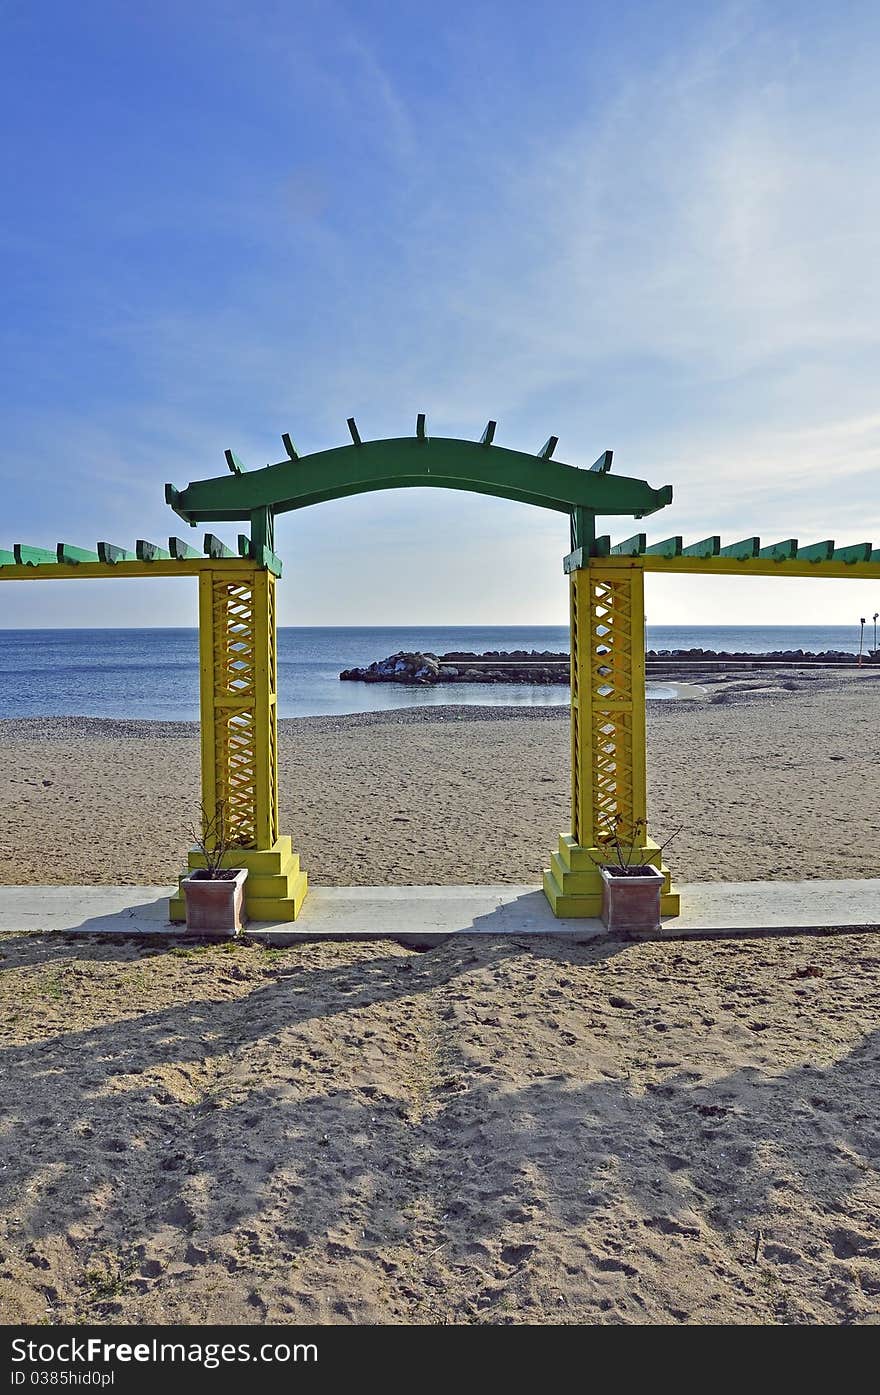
(153, 674)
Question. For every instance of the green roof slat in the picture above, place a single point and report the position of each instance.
(7, 559)
(288, 445)
(150, 552)
(181, 551)
(488, 435)
(630, 547)
(236, 467)
(603, 464)
(549, 446)
(353, 432)
(817, 552)
(264, 556)
(215, 548)
(708, 547)
(111, 554)
(420, 427)
(602, 546)
(669, 547)
(65, 553)
(32, 556)
(781, 551)
(747, 547)
(267, 558)
(577, 558)
(859, 552)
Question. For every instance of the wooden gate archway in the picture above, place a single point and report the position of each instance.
(238, 632)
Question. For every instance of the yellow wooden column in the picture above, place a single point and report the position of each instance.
(608, 738)
(238, 686)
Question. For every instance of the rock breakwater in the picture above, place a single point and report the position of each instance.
(517, 666)
(548, 667)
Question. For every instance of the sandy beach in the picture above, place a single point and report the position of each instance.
(761, 781)
(502, 1131)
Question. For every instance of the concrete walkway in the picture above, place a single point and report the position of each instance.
(424, 915)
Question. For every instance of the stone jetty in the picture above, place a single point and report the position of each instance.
(516, 666)
(546, 667)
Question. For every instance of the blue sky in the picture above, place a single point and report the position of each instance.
(645, 226)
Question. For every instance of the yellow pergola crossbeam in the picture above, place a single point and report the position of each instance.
(80, 571)
(749, 566)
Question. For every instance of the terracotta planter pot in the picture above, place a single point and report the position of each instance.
(215, 905)
(631, 900)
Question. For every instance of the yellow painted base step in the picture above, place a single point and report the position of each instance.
(573, 882)
(275, 888)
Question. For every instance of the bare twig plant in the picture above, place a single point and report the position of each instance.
(626, 840)
(212, 840)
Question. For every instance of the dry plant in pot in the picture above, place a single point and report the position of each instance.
(214, 894)
(631, 889)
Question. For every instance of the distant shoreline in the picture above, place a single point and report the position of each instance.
(755, 688)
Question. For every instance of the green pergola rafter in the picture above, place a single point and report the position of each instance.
(147, 559)
(480, 467)
(744, 558)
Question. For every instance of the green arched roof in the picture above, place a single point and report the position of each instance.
(404, 462)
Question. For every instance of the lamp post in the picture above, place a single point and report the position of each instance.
(861, 637)
(876, 617)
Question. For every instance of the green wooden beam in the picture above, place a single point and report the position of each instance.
(405, 462)
(235, 465)
(420, 427)
(577, 558)
(601, 546)
(32, 556)
(748, 547)
(180, 550)
(215, 548)
(110, 554)
(7, 559)
(781, 551)
(816, 552)
(288, 445)
(353, 432)
(548, 448)
(603, 464)
(631, 547)
(670, 547)
(150, 552)
(256, 552)
(65, 553)
(859, 552)
(583, 529)
(263, 528)
(488, 435)
(708, 547)
(267, 558)
(172, 499)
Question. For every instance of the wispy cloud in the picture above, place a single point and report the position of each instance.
(670, 250)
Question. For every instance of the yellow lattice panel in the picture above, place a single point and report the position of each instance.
(575, 704)
(239, 710)
(607, 735)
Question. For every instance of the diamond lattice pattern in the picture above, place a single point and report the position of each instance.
(611, 677)
(273, 712)
(235, 725)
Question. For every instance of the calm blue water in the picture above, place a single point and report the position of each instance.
(153, 674)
